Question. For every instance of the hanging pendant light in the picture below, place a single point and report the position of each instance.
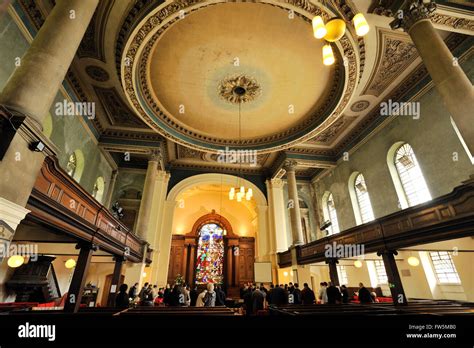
(328, 55)
(319, 30)
(15, 261)
(413, 261)
(335, 28)
(360, 24)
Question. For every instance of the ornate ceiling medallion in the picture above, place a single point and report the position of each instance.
(239, 89)
(197, 116)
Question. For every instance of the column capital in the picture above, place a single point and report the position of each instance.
(412, 12)
(332, 261)
(276, 183)
(290, 165)
(154, 155)
(387, 252)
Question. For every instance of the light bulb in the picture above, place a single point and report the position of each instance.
(360, 24)
(358, 264)
(239, 196)
(248, 196)
(413, 261)
(250, 192)
(242, 189)
(319, 29)
(328, 55)
(15, 261)
(231, 193)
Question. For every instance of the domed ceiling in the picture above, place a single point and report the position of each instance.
(191, 77)
(168, 76)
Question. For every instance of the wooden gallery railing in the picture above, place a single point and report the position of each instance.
(64, 206)
(447, 217)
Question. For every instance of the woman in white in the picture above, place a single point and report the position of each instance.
(200, 299)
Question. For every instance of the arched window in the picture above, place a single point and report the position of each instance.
(210, 254)
(98, 190)
(71, 164)
(329, 211)
(410, 177)
(360, 199)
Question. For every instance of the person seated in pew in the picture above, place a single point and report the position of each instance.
(345, 294)
(307, 295)
(374, 296)
(364, 294)
(333, 294)
(122, 300)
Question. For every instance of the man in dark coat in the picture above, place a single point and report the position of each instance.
(334, 295)
(279, 296)
(258, 297)
(307, 295)
(345, 294)
(364, 294)
(193, 296)
(220, 296)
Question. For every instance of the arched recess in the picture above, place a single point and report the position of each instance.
(264, 245)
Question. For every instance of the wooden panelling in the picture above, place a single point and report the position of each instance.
(58, 201)
(446, 217)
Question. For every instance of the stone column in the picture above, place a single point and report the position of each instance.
(161, 263)
(110, 191)
(450, 81)
(31, 90)
(263, 235)
(146, 203)
(293, 204)
(316, 208)
(278, 213)
(394, 280)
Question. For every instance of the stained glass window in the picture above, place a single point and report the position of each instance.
(210, 254)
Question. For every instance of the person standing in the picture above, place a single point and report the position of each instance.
(296, 294)
(333, 294)
(122, 299)
(210, 298)
(193, 296)
(323, 296)
(132, 293)
(345, 294)
(307, 295)
(364, 294)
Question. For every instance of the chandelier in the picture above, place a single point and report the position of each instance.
(240, 192)
(333, 30)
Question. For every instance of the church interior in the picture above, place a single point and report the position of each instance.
(251, 147)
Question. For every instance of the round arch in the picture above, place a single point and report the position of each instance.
(225, 179)
(212, 217)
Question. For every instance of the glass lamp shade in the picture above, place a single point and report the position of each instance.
(413, 261)
(242, 189)
(248, 196)
(319, 29)
(15, 261)
(231, 193)
(250, 192)
(328, 55)
(336, 28)
(239, 196)
(360, 24)
(358, 264)
(71, 263)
